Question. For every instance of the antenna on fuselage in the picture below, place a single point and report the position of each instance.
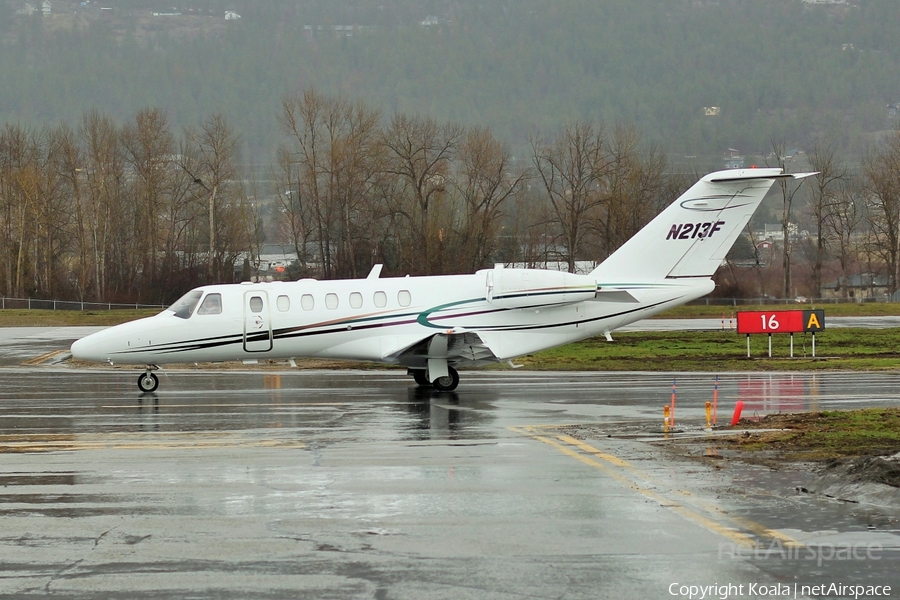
(375, 272)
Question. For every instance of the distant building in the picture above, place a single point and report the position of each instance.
(733, 159)
(346, 30)
(47, 8)
(230, 15)
(859, 287)
(712, 111)
(774, 232)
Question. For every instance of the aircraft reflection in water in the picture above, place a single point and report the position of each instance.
(432, 325)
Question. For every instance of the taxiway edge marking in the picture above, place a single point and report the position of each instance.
(705, 522)
(686, 512)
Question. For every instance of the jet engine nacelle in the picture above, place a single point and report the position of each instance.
(521, 288)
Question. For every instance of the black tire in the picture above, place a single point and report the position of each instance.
(421, 377)
(148, 382)
(448, 383)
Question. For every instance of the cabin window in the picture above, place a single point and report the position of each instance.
(404, 298)
(283, 303)
(256, 304)
(380, 299)
(185, 305)
(356, 300)
(307, 302)
(331, 301)
(212, 305)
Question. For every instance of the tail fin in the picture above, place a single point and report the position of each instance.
(691, 237)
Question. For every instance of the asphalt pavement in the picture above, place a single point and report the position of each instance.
(321, 484)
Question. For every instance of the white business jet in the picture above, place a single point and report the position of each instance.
(432, 325)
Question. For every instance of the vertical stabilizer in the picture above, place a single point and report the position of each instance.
(691, 237)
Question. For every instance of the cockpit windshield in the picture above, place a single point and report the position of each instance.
(185, 305)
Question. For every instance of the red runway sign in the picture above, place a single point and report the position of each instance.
(780, 321)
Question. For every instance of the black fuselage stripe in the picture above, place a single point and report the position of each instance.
(288, 333)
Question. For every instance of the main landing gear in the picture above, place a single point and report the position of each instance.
(420, 377)
(441, 384)
(148, 381)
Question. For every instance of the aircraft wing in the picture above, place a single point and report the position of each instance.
(464, 348)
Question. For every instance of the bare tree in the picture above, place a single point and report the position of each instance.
(788, 189)
(573, 170)
(254, 229)
(34, 212)
(485, 180)
(18, 190)
(843, 219)
(635, 188)
(212, 162)
(881, 181)
(70, 168)
(420, 154)
(296, 227)
(328, 176)
(824, 194)
(355, 166)
(301, 118)
(149, 151)
(103, 170)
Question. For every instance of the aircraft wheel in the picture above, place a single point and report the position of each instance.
(421, 378)
(448, 383)
(148, 382)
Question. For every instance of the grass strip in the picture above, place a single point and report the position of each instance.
(849, 349)
(824, 435)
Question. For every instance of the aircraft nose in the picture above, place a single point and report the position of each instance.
(87, 348)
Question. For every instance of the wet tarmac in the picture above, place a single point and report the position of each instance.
(348, 484)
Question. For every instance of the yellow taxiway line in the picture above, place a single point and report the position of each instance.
(707, 516)
(137, 441)
(42, 358)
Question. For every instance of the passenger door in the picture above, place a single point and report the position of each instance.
(257, 322)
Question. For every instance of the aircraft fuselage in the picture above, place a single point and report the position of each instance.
(376, 319)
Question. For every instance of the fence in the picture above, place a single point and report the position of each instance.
(35, 303)
(788, 301)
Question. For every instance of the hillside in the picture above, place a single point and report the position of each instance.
(695, 76)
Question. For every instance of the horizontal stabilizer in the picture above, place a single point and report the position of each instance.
(751, 177)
